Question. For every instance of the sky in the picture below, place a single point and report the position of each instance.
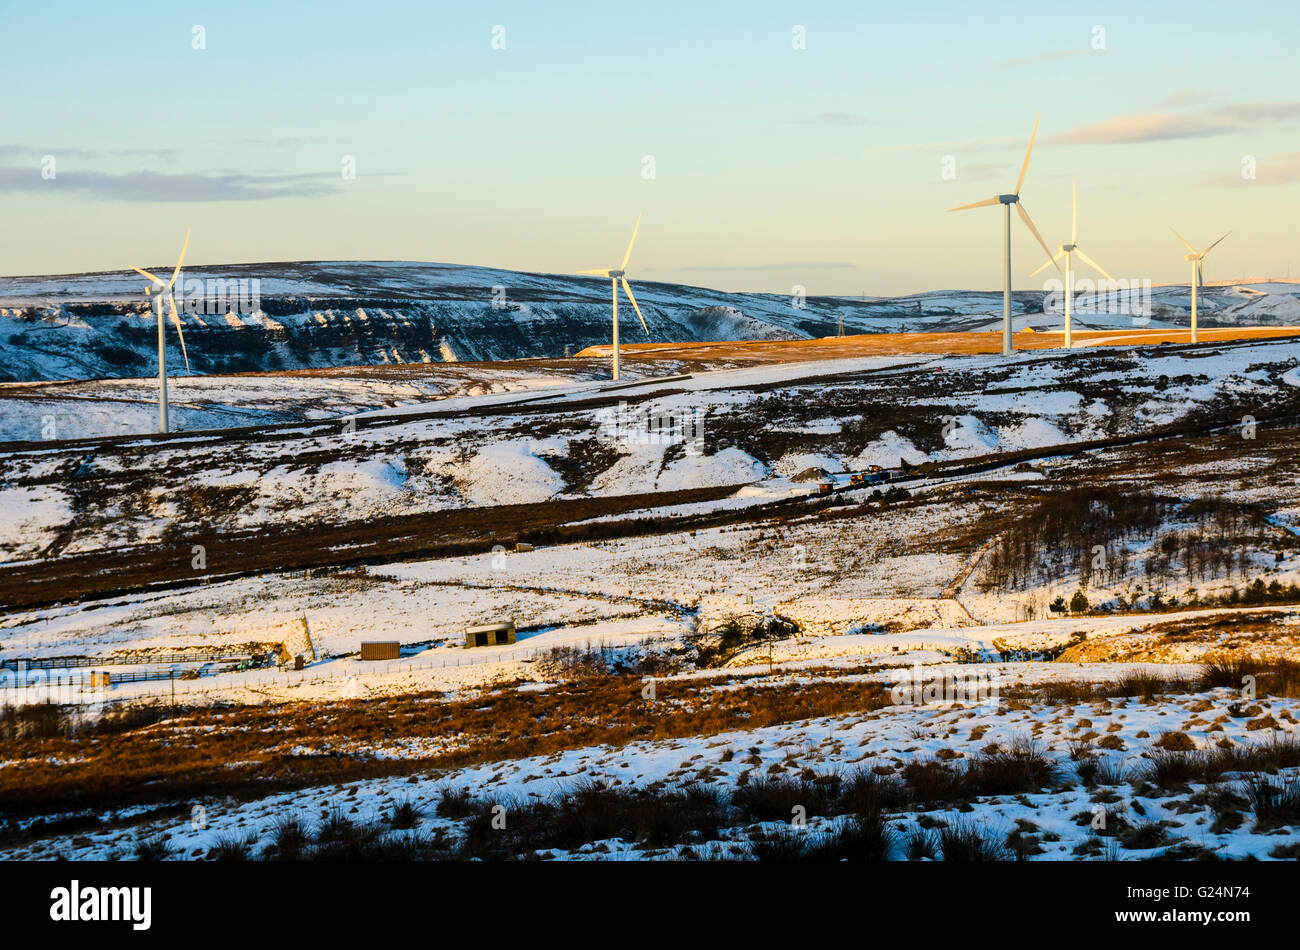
(768, 145)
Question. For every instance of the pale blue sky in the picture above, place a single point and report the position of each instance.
(775, 166)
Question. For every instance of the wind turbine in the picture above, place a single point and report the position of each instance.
(1066, 251)
(166, 287)
(1007, 201)
(616, 276)
(1197, 280)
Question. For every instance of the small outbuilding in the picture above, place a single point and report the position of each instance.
(381, 650)
(490, 634)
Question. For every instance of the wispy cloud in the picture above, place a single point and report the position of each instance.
(1183, 98)
(1053, 56)
(161, 186)
(1162, 126)
(61, 152)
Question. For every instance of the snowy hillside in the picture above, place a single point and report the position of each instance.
(305, 315)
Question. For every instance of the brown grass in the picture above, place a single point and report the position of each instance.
(257, 749)
(889, 344)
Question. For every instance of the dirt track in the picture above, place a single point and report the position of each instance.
(458, 531)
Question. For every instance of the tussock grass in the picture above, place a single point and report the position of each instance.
(1024, 767)
(155, 848)
(1169, 768)
(1273, 677)
(232, 848)
(857, 838)
(1274, 802)
(405, 815)
(964, 840)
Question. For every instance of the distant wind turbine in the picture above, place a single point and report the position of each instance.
(1197, 279)
(619, 275)
(1007, 201)
(161, 288)
(1065, 252)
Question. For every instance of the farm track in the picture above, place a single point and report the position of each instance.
(269, 549)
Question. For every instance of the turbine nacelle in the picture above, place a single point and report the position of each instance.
(619, 277)
(1007, 201)
(161, 291)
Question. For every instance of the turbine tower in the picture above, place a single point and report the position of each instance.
(1007, 201)
(1066, 251)
(162, 287)
(1197, 279)
(616, 276)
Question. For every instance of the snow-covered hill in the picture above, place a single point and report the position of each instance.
(304, 315)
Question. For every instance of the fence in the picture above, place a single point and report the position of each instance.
(271, 678)
(76, 662)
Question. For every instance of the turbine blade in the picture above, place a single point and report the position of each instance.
(1184, 240)
(635, 228)
(600, 272)
(1095, 266)
(1074, 212)
(1213, 246)
(1047, 264)
(1200, 276)
(149, 275)
(180, 260)
(179, 332)
(1025, 167)
(627, 289)
(978, 204)
(1024, 216)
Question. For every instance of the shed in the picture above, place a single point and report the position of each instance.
(490, 634)
(381, 650)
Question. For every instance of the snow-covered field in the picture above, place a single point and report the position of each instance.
(1120, 816)
(742, 584)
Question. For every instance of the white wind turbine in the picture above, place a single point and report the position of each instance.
(616, 276)
(1007, 201)
(1197, 279)
(1066, 251)
(165, 287)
